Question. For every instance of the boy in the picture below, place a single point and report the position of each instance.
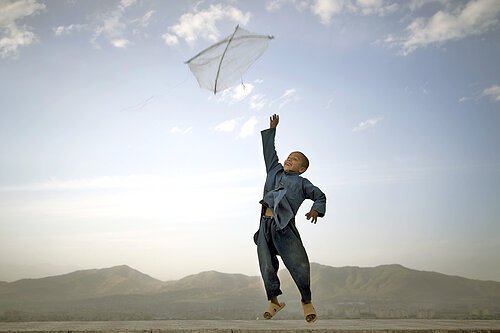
(284, 192)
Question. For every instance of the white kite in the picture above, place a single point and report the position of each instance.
(219, 66)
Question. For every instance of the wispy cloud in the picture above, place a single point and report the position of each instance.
(274, 5)
(417, 4)
(329, 103)
(127, 3)
(202, 24)
(246, 130)
(237, 93)
(67, 30)
(455, 22)
(257, 102)
(493, 92)
(111, 26)
(248, 127)
(178, 130)
(228, 125)
(12, 35)
(289, 96)
(144, 20)
(325, 10)
(363, 126)
(245, 92)
(120, 43)
(375, 7)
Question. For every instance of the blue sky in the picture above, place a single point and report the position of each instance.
(112, 154)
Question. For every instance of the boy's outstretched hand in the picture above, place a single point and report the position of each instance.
(274, 120)
(313, 216)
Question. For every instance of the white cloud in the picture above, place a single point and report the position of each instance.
(170, 39)
(463, 99)
(257, 102)
(145, 19)
(493, 92)
(67, 30)
(289, 96)
(227, 126)
(289, 93)
(248, 127)
(202, 24)
(475, 18)
(246, 130)
(417, 4)
(241, 91)
(177, 130)
(326, 9)
(329, 103)
(236, 93)
(113, 27)
(13, 36)
(375, 7)
(120, 43)
(274, 5)
(127, 3)
(367, 124)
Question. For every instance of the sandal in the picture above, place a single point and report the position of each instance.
(309, 313)
(272, 310)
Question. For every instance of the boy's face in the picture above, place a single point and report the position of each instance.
(294, 163)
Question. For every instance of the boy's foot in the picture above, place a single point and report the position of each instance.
(309, 313)
(273, 309)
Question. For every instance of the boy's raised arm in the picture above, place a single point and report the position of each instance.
(270, 155)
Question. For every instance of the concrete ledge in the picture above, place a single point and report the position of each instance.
(262, 326)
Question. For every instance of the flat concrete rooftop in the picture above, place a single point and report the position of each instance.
(262, 326)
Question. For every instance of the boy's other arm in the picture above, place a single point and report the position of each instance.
(319, 206)
(269, 149)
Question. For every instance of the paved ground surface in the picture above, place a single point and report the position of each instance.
(235, 326)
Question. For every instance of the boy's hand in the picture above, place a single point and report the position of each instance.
(274, 120)
(313, 216)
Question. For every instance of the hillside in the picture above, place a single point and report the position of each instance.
(84, 284)
(120, 293)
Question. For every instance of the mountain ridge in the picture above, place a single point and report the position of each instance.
(121, 292)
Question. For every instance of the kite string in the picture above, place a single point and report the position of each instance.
(144, 103)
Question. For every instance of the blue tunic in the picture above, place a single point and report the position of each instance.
(285, 192)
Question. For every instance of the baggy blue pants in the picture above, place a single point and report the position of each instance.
(271, 242)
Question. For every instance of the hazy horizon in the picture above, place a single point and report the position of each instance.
(111, 154)
(17, 272)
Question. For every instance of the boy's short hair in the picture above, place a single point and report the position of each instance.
(305, 160)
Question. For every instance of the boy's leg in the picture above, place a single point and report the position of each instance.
(268, 261)
(294, 256)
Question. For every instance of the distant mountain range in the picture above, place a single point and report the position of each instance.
(123, 293)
